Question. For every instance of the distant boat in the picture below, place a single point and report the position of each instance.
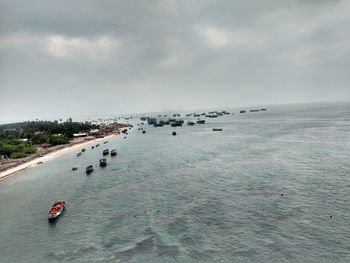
(103, 162)
(190, 123)
(253, 110)
(105, 142)
(105, 152)
(74, 168)
(217, 129)
(78, 154)
(113, 152)
(242, 111)
(201, 121)
(97, 145)
(92, 147)
(143, 132)
(83, 150)
(89, 169)
(174, 133)
(56, 210)
(263, 109)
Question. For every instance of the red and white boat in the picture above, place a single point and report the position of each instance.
(56, 210)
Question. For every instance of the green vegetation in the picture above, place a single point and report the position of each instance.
(13, 135)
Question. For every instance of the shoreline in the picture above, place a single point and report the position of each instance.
(50, 156)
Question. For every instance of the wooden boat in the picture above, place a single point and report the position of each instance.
(89, 169)
(103, 162)
(105, 152)
(56, 210)
(114, 152)
(217, 129)
(190, 123)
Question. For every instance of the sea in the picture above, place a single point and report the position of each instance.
(273, 186)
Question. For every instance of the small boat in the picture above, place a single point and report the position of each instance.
(56, 210)
(105, 152)
(78, 154)
(253, 110)
(92, 147)
(97, 145)
(114, 152)
(40, 162)
(201, 121)
(190, 123)
(103, 162)
(242, 111)
(89, 169)
(174, 133)
(262, 109)
(74, 168)
(217, 129)
(83, 150)
(143, 132)
(105, 142)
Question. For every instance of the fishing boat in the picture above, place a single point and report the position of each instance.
(78, 154)
(105, 152)
(92, 147)
(217, 129)
(103, 162)
(190, 123)
(201, 121)
(89, 169)
(114, 152)
(56, 210)
(97, 145)
(83, 150)
(242, 111)
(74, 168)
(143, 131)
(174, 133)
(105, 142)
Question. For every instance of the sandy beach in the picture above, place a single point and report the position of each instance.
(49, 156)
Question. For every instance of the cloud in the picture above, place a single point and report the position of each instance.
(216, 37)
(64, 47)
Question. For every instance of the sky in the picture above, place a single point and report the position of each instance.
(82, 57)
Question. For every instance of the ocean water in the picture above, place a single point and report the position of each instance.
(273, 186)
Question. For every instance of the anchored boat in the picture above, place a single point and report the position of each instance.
(113, 152)
(103, 162)
(89, 169)
(56, 210)
(105, 152)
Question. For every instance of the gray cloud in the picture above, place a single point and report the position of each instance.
(83, 57)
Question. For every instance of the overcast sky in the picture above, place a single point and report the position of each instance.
(62, 58)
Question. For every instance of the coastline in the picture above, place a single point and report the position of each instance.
(51, 155)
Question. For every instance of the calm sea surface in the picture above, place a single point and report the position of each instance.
(200, 196)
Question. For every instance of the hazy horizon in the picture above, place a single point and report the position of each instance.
(63, 58)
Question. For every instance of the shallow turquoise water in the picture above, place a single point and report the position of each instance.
(200, 196)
